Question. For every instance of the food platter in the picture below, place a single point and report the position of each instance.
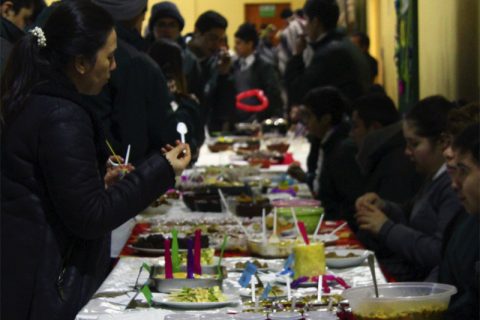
(344, 257)
(165, 301)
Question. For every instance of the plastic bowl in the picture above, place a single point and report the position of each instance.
(309, 215)
(404, 300)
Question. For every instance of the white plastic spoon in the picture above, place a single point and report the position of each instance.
(182, 130)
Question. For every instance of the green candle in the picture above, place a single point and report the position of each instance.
(175, 255)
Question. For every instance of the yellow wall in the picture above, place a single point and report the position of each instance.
(449, 48)
(381, 24)
(233, 10)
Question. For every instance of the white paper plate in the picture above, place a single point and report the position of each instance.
(247, 293)
(361, 255)
(197, 305)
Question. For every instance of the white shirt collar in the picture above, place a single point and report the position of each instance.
(248, 61)
(442, 169)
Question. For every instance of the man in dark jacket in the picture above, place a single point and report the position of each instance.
(362, 41)
(134, 103)
(206, 50)
(378, 135)
(460, 265)
(248, 72)
(335, 62)
(15, 15)
(338, 180)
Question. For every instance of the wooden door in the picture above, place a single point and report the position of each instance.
(266, 13)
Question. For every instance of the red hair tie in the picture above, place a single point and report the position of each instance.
(257, 93)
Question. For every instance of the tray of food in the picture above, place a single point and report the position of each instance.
(209, 278)
(155, 243)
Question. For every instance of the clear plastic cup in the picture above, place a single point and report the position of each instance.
(419, 300)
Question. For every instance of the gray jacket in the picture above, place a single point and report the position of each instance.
(414, 232)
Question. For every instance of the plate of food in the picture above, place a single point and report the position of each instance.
(344, 257)
(261, 266)
(275, 293)
(155, 243)
(198, 299)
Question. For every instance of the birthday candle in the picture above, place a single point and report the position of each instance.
(190, 261)
(168, 260)
(197, 267)
(175, 255)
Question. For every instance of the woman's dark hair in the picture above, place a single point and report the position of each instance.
(468, 141)
(326, 11)
(376, 107)
(210, 20)
(74, 28)
(247, 32)
(429, 117)
(461, 117)
(326, 100)
(168, 55)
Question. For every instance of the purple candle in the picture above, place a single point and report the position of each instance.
(190, 262)
(197, 267)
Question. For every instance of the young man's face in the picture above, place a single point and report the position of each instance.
(20, 18)
(243, 48)
(212, 41)
(166, 28)
(466, 181)
(313, 28)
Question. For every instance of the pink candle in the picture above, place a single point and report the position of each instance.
(197, 266)
(168, 260)
(303, 231)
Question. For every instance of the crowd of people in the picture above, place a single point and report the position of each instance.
(83, 79)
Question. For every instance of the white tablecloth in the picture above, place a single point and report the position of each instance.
(116, 292)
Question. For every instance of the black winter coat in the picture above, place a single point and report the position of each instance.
(336, 62)
(341, 181)
(133, 105)
(56, 215)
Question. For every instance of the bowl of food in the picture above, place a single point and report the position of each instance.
(202, 201)
(209, 278)
(309, 215)
(344, 258)
(251, 206)
(281, 249)
(403, 300)
(278, 144)
(219, 144)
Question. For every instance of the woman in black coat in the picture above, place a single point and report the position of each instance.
(56, 214)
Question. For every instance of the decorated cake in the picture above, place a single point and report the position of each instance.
(309, 260)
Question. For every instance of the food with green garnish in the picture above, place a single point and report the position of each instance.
(213, 294)
(205, 260)
(275, 292)
(258, 264)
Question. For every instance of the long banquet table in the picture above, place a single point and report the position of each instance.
(117, 291)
